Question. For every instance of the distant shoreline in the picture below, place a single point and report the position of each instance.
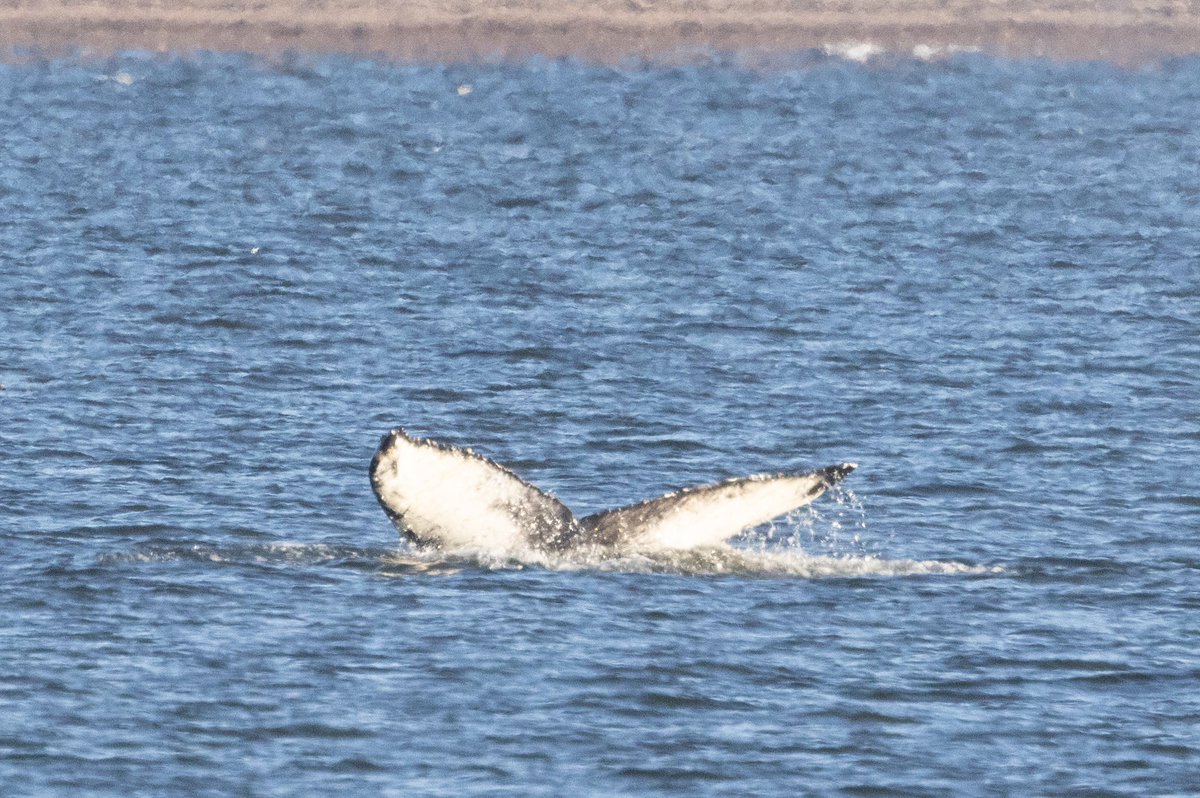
(604, 30)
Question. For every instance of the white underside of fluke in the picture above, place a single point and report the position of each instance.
(458, 502)
(709, 516)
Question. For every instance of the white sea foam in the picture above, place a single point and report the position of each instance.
(864, 52)
(859, 52)
(932, 52)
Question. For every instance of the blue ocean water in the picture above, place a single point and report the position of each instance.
(222, 280)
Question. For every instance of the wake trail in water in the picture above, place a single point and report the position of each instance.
(768, 561)
(809, 543)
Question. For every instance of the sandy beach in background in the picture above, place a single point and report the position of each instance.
(605, 30)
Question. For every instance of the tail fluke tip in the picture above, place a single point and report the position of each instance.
(834, 474)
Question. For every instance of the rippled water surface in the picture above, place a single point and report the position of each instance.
(222, 280)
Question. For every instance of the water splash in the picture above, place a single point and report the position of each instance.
(836, 526)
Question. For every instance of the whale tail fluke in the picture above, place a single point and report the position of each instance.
(452, 498)
(836, 473)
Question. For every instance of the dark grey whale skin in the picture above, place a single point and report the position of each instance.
(550, 525)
